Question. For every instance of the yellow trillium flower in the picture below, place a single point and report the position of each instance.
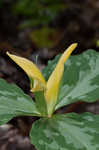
(38, 83)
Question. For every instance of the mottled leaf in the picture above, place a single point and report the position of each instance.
(66, 132)
(14, 102)
(80, 79)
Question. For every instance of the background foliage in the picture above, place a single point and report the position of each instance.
(68, 17)
(44, 11)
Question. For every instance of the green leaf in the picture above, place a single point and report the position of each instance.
(66, 132)
(41, 102)
(13, 102)
(50, 67)
(5, 118)
(80, 79)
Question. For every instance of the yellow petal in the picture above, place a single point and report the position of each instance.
(32, 71)
(53, 83)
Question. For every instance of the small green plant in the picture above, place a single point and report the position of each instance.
(43, 37)
(62, 83)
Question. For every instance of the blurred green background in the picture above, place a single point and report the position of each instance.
(49, 24)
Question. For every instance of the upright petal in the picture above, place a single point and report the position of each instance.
(53, 83)
(38, 82)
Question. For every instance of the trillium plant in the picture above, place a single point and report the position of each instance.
(61, 83)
